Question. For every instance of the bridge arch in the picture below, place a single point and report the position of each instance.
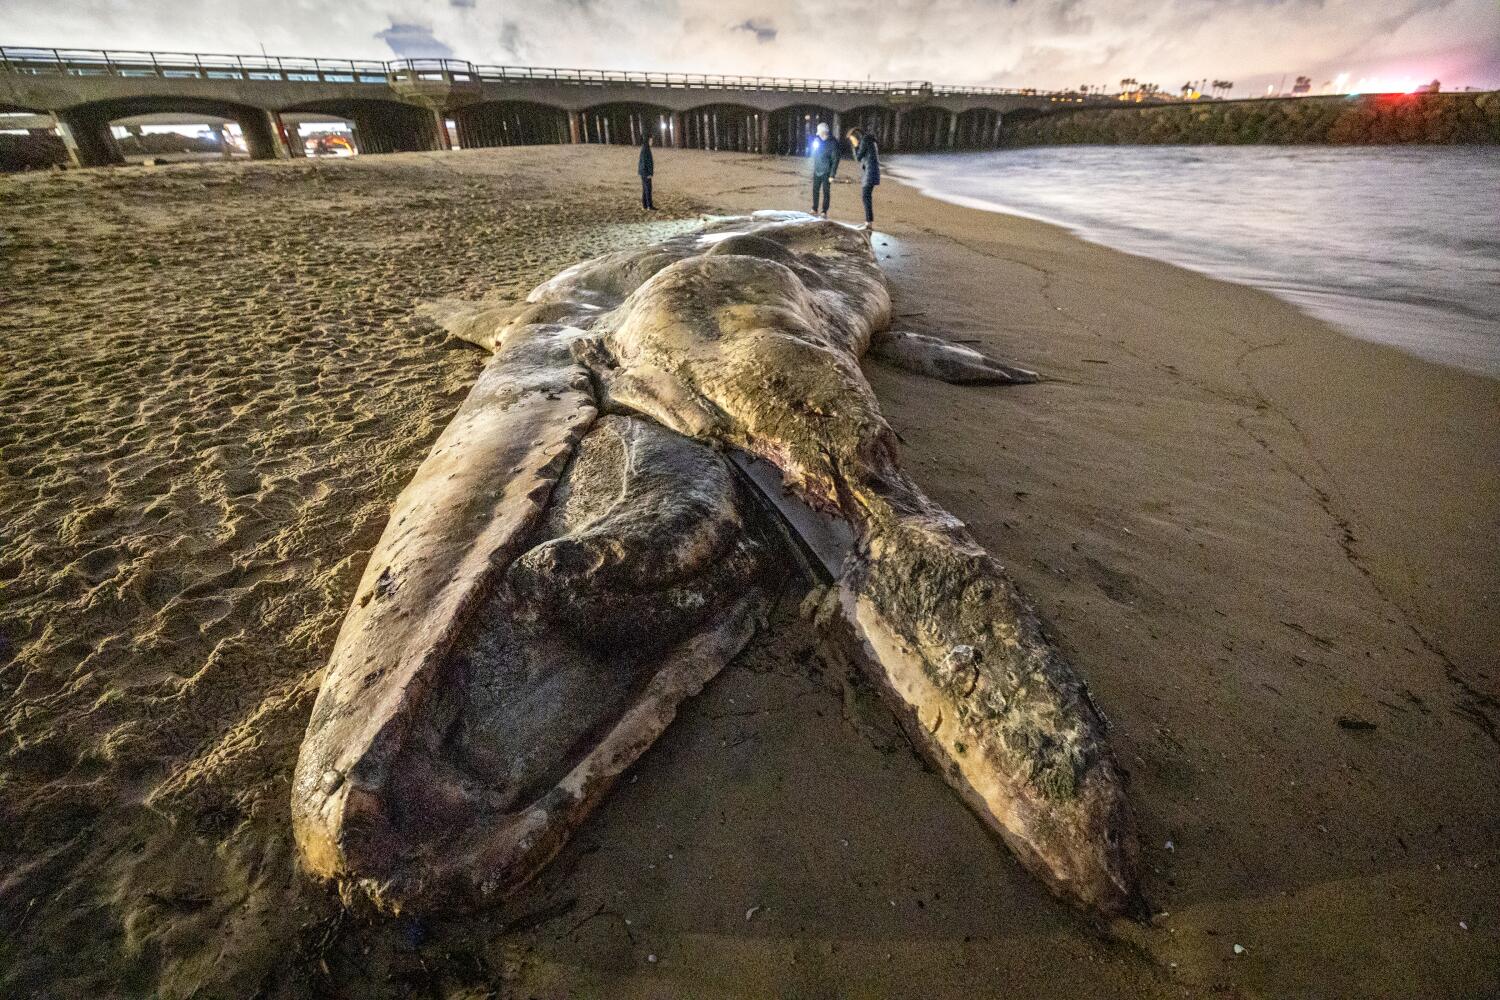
(36, 147)
(626, 124)
(86, 127)
(792, 127)
(736, 127)
(876, 120)
(978, 128)
(510, 123)
(381, 126)
(115, 108)
(923, 128)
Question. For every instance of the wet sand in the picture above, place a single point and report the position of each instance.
(1270, 548)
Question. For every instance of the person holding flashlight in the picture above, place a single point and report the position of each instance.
(825, 164)
(867, 152)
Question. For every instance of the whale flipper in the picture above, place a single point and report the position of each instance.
(946, 361)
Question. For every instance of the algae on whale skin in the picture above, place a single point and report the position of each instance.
(745, 336)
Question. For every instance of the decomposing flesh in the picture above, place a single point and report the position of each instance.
(588, 544)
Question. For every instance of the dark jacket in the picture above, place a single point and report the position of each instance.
(868, 155)
(647, 165)
(825, 157)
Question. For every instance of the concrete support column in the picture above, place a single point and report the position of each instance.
(677, 137)
(838, 129)
(291, 139)
(952, 129)
(998, 132)
(88, 140)
(440, 138)
(573, 122)
(896, 130)
(765, 132)
(263, 137)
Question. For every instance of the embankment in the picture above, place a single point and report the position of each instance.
(1369, 120)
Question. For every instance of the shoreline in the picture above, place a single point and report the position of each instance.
(1434, 330)
(1269, 547)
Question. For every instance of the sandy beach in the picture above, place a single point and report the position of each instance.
(1273, 550)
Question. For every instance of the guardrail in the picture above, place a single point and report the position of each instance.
(460, 71)
(192, 65)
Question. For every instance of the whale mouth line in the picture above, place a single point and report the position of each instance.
(824, 543)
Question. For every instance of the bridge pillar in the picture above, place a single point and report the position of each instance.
(88, 140)
(573, 118)
(952, 129)
(677, 137)
(896, 130)
(765, 133)
(263, 136)
(998, 131)
(440, 137)
(291, 138)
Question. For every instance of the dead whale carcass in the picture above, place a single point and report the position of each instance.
(487, 687)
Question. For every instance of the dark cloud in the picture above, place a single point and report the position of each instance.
(511, 41)
(414, 41)
(763, 31)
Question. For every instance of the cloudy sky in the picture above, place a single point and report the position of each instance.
(1043, 43)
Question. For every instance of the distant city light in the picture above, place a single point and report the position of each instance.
(1379, 85)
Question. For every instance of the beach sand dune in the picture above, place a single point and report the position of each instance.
(1271, 548)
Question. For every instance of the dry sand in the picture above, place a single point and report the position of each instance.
(1272, 550)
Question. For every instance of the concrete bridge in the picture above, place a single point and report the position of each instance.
(427, 104)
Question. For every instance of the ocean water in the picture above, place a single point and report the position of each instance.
(1399, 245)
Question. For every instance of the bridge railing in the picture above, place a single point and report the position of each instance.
(462, 72)
(190, 65)
(697, 81)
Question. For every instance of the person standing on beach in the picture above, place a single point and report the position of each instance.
(646, 167)
(825, 164)
(867, 152)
